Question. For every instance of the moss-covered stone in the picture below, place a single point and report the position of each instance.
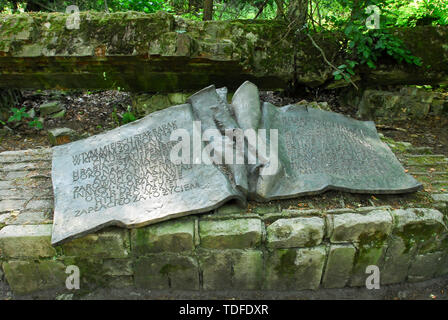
(60, 136)
(443, 265)
(29, 276)
(231, 269)
(230, 234)
(145, 104)
(91, 271)
(295, 233)
(419, 228)
(424, 267)
(369, 253)
(170, 236)
(117, 267)
(347, 227)
(230, 208)
(442, 197)
(60, 114)
(397, 260)
(178, 98)
(50, 108)
(28, 241)
(163, 53)
(295, 269)
(425, 160)
(265, 209)
(339, 266)
(120, 282)
(167, 271)
(112, 243)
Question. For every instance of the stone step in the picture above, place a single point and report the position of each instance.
(434, 174)
(41, 173)
(25, 205)
(26, 183)
(30, 155)
(420, 150)
(426, 160)
(442, 197)
(438, 188)
(18, 194)
(426, 156)
(26, 166)
(435, 164)
(27, 218)
(433, 167)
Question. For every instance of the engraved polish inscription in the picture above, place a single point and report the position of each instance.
(324, 147)
(321, 150)
(130, 170)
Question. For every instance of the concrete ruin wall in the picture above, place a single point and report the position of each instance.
(163, 53)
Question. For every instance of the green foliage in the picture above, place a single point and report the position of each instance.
(115, 118)
(36, 123)
(406, 13)
(19, 116)
(367, 45)
(364, 46)
(244, 9)
(138, 5)
(345, 70)
(394, 13)
(124, 118)
(128, 116)
(331, 13)
(84, 5)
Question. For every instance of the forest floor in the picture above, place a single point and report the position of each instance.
(90, 113)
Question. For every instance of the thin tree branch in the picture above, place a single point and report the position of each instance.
(261, 9)
(328, 62)
(224, 9)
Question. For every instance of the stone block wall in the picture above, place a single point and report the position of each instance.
(261, 248)
(307, 250)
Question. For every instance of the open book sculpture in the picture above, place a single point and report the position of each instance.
(192, 158)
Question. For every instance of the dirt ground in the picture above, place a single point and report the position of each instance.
(87, 113)
(434, 289)
(92, 112)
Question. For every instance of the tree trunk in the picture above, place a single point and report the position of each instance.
(298, 12)
(208, 10)
(280, 11)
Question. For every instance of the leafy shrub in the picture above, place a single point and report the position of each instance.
(20, 116)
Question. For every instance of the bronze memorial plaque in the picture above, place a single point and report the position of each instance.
(194, 157)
